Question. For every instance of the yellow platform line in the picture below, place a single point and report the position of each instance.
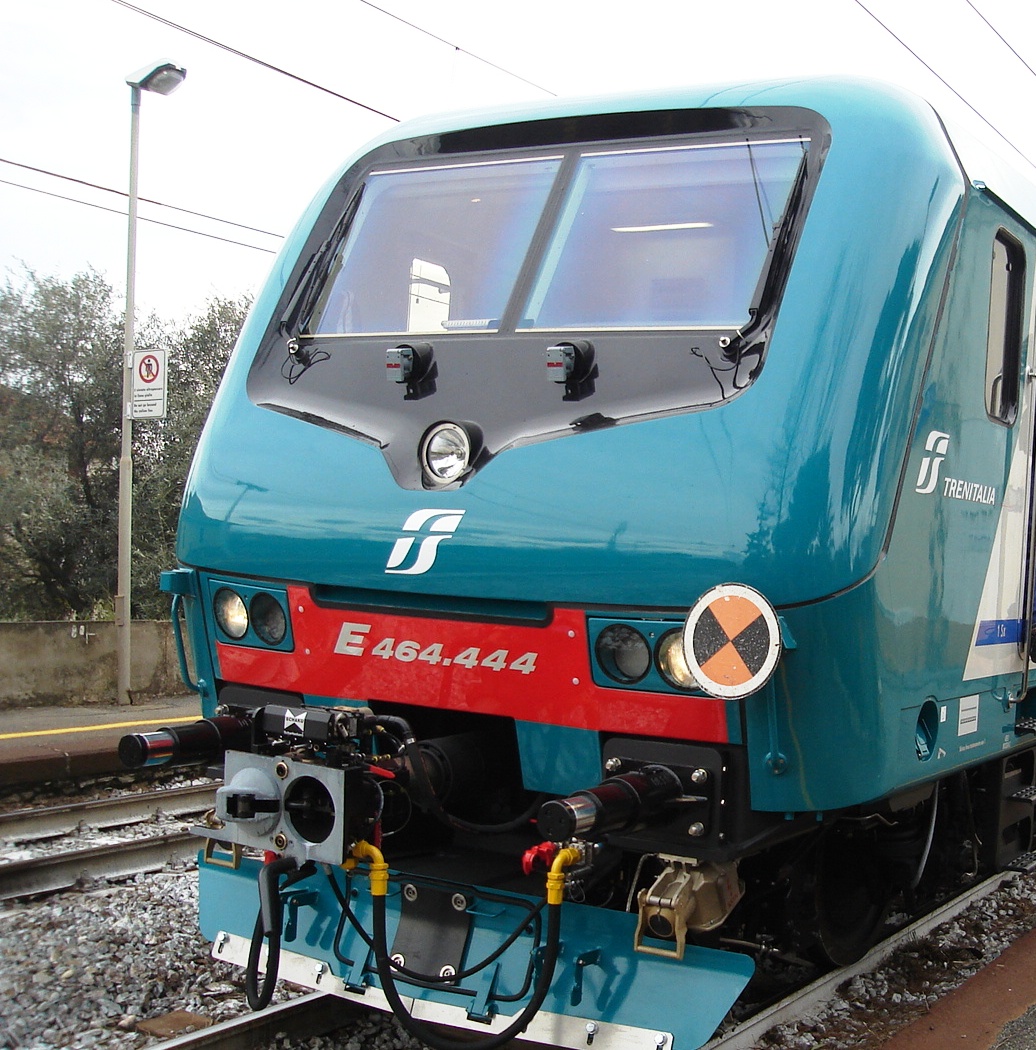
(92, 729)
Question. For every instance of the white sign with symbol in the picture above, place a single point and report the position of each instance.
(149, 384)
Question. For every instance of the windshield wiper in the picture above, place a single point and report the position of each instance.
(751, 338)
(311, 283)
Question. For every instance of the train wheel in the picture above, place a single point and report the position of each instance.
(853, 893)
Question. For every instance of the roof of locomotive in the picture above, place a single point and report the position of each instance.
(986, 161)
(852, 107)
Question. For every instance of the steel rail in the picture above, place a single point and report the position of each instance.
(52, 873)
(31, 825)
(744, 1036)
(315, 1013)
(60, 871)
(318, 1013)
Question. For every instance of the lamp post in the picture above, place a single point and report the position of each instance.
(163, 78)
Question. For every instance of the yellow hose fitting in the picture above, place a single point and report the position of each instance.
(556, 876)
(378, 870)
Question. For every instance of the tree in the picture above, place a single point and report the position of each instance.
(60, 428)
(59, 362)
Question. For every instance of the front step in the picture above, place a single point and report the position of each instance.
(1013, 779)
(1024, 862)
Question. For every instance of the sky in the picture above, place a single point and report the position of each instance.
(246, 144)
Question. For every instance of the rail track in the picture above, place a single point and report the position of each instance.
(798, 1004)
(317, 1013)
(61, 867)
(313, 1014)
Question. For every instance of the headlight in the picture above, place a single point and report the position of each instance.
(268, 620)
(672, 663)
(623, 653)
(231, 614)
(445, 453)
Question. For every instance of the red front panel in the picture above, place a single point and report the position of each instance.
(534, 674)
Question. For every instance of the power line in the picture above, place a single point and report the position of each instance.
(148, 200)
(156, 222)
(944, 81)
(1002, 37)
(457, 47)
(251, 58)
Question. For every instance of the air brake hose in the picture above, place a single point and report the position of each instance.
(420, 1030)
(268, 926)
(531, 919)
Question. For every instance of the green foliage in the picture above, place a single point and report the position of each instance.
(60, 428)
(59, 435)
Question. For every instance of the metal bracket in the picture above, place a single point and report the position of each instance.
(590, 958)
(292, 902)
(229, 854)
(433, 929)
(480, 1008)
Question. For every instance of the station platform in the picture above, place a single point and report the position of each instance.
(39, 744)
(994, 1010)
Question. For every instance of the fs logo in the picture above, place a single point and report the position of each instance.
(937, 443)
(427, 529)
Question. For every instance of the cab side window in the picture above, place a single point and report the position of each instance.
(1004, 339)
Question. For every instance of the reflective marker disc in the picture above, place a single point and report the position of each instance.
(732, 641)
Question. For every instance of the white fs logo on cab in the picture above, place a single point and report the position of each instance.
(425, 529)
(937, 444)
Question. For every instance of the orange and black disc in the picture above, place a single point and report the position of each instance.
(732, 641)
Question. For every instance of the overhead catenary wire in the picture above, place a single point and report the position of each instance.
(252, 58)
(1004, 39)
(863, 7)
(155, 222)
(244, 55)
(123, 193)
(457, 47)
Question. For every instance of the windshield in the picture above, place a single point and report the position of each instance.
(434, 249)
(643, 238)
(542, 278)
(663, 237)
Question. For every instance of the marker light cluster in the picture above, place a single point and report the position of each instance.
(727, 648)
(251, 615)
(672, 662)
(648, 654)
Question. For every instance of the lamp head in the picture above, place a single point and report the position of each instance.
(163, 78)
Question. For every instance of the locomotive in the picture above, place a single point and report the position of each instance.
(608, 565)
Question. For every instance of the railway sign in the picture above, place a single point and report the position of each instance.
(732, 641)
(149, 384)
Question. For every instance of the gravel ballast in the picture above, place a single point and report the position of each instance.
(82, 969)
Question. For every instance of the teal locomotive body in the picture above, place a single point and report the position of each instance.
(639, 489)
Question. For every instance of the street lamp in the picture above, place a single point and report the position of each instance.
(163, 78)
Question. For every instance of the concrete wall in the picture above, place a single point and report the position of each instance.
(73, 663)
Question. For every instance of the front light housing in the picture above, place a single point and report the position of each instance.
(623, 653)
(445, 453)
(672, 663)
(268, 620)
(231, 613)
